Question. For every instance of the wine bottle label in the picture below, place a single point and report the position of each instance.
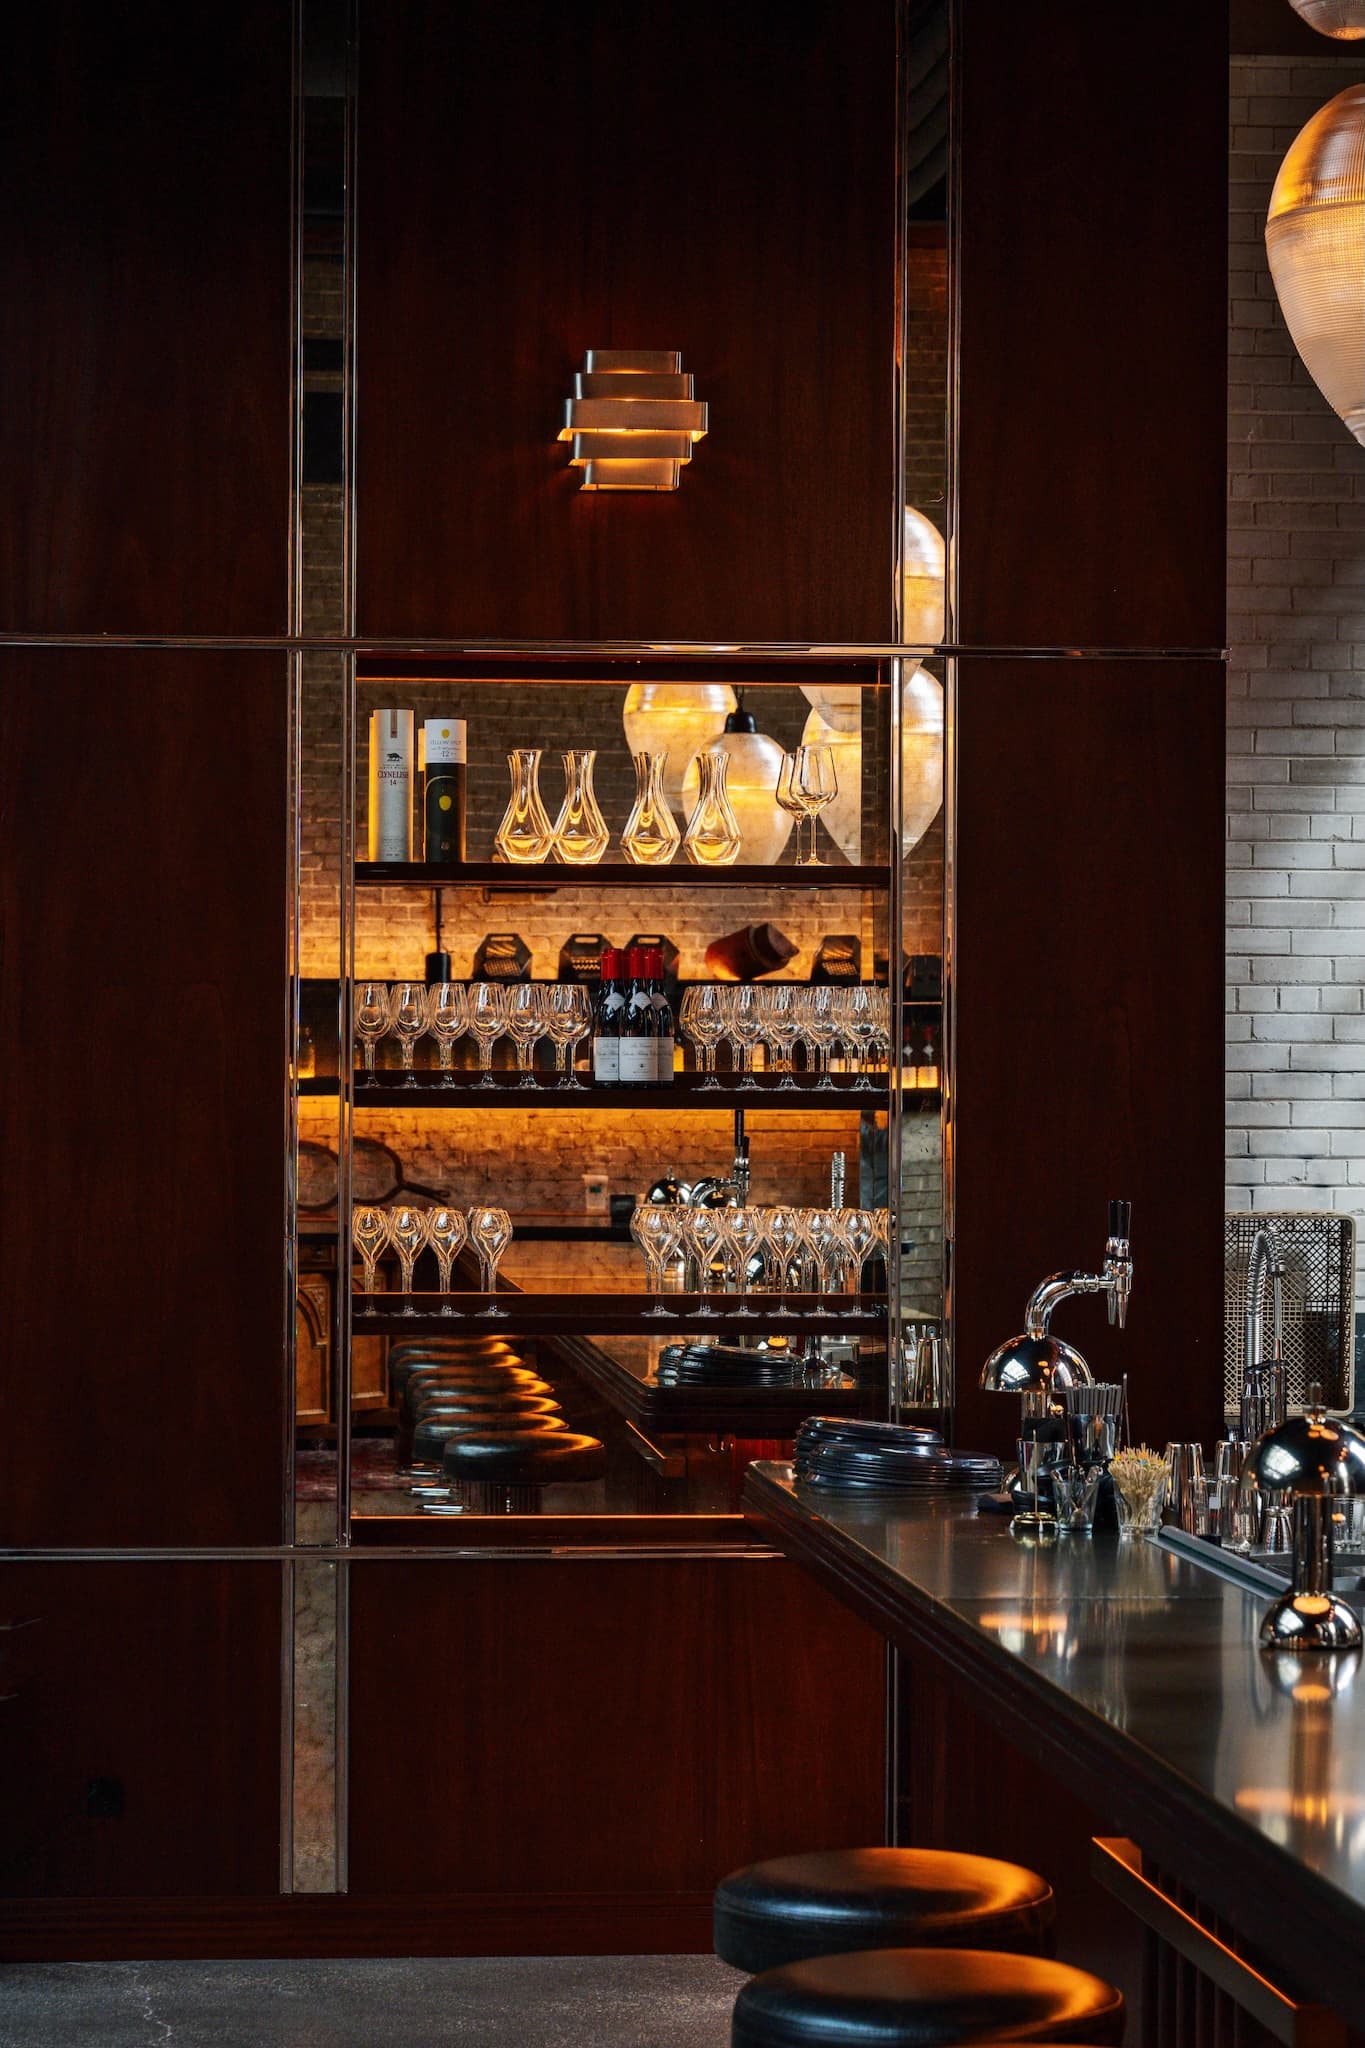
(663, 1061)
(390, 820)
(637, 1068)
(606, 1062)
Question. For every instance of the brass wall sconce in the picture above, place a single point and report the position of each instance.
(632, 419)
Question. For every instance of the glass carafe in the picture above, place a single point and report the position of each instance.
(712, 837)
(525, 833)
(651, 837)
(580, 834)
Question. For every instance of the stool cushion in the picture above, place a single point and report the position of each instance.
(436, 1387)
(924, 1998)
(837, 1900)
(431, 1436)
(526, 1459)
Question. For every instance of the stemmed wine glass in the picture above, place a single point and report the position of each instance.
(371, 1017)
(408, 1017)
(702, 1017)
(703, 1236)
(407, 1235)
(746, 1027)
(822, 1242)
(789, 800)
(568, 1021)
(369, 1233)
(447, 1019)
(490, 1231)
(657, 1229)
(742, 1238)
(784, 1237)
(525, 1025)
(486, 1022)
(860, 1026)
(782, 1027)
(814, 783)
(822, 1029)
(446, 1232)
(860, 1239)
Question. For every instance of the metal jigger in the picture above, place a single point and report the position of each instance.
(1314, 1463)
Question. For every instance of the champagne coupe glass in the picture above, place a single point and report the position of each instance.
(371, 1017)
(487, 1014)
(657, 1229)
(705, 1234)
(408, 1015)
(447, 1020)
(370, 1232)
(746, 1027)
(789, 801)
(860, 1239)
(781, 1027)
(815, 784)
(784, 1236)
(407, 1235)
(742, 1237)
(446, 1232)
(822, 1028)
(703, 1021)
(860, 1027)
(490, 1232)
(525, 1025)
(568, 1020)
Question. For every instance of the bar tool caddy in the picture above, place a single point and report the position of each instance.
(1069, 1426)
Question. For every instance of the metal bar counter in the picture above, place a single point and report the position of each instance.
(1134, 1676)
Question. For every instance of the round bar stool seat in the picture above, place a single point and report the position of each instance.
(509, 1380)
(503, 1473)
(838, 1900)
(421, 1446)
(411, 1372)
(925, 1998)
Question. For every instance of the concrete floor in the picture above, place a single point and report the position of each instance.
(499, 2002)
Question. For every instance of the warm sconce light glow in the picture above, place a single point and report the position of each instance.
(1315, 239)
(751, 785)
(678, 719)
(921, 766)
(923, 572)
(1343, 19)
(632, 419)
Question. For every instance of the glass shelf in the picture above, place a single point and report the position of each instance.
(616, 875)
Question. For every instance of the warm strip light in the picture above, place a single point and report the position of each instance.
(632, 420)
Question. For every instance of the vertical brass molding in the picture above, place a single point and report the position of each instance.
(341, 1804)
(900, 331)
(895, 975)
(951, 710)
(286, 1726)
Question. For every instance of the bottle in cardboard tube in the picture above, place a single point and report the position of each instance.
(443, 791)
(391, 785)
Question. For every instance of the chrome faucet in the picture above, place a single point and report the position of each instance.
(1114, 1280)
(1263, 1382)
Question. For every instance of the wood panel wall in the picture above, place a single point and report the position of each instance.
(536, 181)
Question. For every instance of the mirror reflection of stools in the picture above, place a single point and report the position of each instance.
(490, 1411)
(502, 1473)
(833, 1901)
(925, 1998)
(432, 1491)
(468, 1398)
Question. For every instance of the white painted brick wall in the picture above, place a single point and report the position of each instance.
(1296, 712)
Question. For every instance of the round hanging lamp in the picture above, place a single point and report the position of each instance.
(680, 720)
(1315, 240)
(751, 785)
(923, 572)
(1344, 20)
(921, 767)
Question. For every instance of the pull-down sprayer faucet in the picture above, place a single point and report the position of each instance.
(1263, 1382)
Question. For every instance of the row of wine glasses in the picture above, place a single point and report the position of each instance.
(524, 1011)
(807, 782)
(782, 1016)
(779, 1250)
(408, 1230)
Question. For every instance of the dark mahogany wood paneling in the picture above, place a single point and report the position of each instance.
(142, 1009)
(144, 317)
(690, 175)
(1089, 1000)
(140, 1735)
(1093, 330)
(587, 1725)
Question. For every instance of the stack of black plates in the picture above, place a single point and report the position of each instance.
(722, 1365)
(885, 1459)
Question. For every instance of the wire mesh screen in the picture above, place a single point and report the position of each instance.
(1319, 1253)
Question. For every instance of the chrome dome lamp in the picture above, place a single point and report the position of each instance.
(1316, 1462)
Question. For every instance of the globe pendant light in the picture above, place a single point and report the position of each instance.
(923, 572)
(921, 767)
(678, 720)
(1342, 19)
(1315, 240)
(751, 785)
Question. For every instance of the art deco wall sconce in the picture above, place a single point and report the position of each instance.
(632, 419)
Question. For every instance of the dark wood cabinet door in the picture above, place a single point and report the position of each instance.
(1088, 986)
(144, 317)
(143, 1010)
(693, 176)
(139, 1729)
(1093, 325)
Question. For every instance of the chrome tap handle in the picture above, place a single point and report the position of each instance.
(1118, 1261)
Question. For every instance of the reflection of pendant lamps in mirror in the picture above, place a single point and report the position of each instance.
(921, 767)
(751, 785)
(677, 719)
(1342, 19)
(839, 704)
(1315, 239)
(923, 573)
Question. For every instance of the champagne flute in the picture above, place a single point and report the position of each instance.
(814, 783)
(702, 1017)
(490, 1232)
(447, 1020)
(408, 1016)
(369, 1233)
(446, 1232)
(371, 1017)
(407, 1235)
(487, 1020)
(788, 800)
(525, 1025)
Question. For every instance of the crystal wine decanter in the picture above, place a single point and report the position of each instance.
(525, 833)
(580, 833)
(712, 837)
(651, 837)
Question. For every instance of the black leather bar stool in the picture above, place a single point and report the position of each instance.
(925, 1998)
(837, 1900)
(418, 1446)
(504, 1474)
(416, 1360)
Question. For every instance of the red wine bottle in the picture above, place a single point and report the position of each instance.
(607, 1014)
(663, 1018)
(639, 1028)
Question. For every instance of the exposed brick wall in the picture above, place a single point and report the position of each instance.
(1296, 712)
